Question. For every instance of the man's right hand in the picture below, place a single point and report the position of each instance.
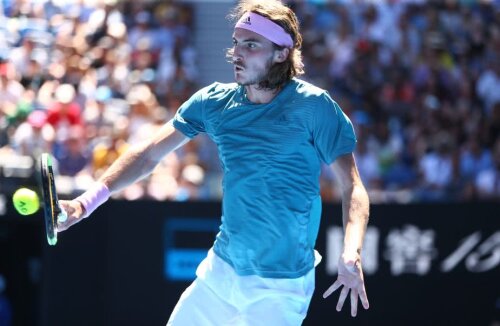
(75, 213)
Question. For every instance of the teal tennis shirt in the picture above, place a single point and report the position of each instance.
(271, 156)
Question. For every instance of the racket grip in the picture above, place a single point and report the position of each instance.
(93, 198)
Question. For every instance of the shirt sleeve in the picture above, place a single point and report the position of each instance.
(333, 133)
(189, 118)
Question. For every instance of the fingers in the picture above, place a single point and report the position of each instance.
(64, 222)
(63, 216)
(70, 214)
(355, 293)
(66, 207)
(364, 298)
(332, 289)
(61, 226)
(354, 302)
(343, 296)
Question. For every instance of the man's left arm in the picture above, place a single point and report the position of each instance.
(355, 212)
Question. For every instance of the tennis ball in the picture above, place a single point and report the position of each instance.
(25, 201)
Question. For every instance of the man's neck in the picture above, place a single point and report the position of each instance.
(260, 96)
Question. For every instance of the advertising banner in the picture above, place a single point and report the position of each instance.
(423, 264)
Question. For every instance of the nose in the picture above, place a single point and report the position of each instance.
(236, 54)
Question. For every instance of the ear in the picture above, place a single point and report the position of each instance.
(281, 55)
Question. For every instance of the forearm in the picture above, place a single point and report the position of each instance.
(130, 167)
(140, 160)
(133, 165)
(355, 215)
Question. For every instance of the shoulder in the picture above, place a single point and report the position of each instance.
(314, 98)
(209, 98)
(309, 95)
(217, 91)
(307, 90)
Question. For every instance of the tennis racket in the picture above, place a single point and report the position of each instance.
(51, 208)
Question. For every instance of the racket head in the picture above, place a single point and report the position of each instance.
(50, 201)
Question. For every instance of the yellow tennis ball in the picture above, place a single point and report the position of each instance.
(26, 201)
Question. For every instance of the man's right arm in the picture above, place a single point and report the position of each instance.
(140, 160)
(135, 164)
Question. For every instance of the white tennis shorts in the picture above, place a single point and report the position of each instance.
(218, 296)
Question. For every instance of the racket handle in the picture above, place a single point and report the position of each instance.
(93, 198)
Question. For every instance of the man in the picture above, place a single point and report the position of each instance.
(272, 131)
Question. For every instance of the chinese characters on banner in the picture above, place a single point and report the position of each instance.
(411, 250)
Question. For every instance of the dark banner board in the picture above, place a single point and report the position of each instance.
(128, 264)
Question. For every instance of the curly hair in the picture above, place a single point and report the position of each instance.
(280, 73)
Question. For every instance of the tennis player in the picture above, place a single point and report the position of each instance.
(273, 131)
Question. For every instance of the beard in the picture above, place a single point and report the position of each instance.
(255, 80)
(260, 77)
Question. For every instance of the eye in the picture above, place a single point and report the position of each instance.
(251, 45)
(234, 42)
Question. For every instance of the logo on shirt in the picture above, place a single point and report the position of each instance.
(282, 120)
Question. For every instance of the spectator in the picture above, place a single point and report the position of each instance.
(437, 170)
(21, 55)
(488, 181)
(192, 177)
(368, 165)
(142, 102)
(11, 90)
(64, 112)
(142, 31)
(34, 136)
(107, 149)
(73, 155)
(488, 84)
(474, 159)
(99, 114)
(341, 50)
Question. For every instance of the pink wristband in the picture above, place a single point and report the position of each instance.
(92, 198)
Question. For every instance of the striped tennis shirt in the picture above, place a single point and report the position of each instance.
(271, 157)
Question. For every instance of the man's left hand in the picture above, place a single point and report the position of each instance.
(350, 276)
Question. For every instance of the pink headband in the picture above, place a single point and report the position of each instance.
(265, 27)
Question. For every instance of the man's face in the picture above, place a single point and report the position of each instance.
(252, 57)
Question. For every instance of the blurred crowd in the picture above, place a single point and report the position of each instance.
(421, 82)
(86, 79)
